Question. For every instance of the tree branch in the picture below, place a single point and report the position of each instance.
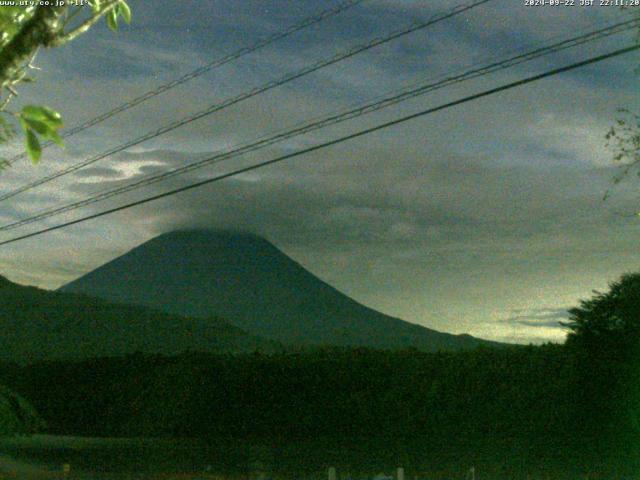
(86, 25)
(6, 101)
(39, 30)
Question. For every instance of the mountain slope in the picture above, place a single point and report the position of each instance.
(42, 325)
(245, 279)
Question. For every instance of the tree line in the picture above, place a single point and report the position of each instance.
(558, 410)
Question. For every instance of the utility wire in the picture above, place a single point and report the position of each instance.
(307, 22)
(336, 141)
(333, 119)
(246, 95)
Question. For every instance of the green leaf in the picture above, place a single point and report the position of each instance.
(42, 114)
(34, 150)
(44, 130)
(40, 127)
(112, 19)
(125, 11)
(55, 138)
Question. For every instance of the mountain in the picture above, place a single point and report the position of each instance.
(245, 279)
(43, 325)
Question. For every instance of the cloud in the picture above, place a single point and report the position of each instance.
(454, 221)
(540, 317)
(543, 337)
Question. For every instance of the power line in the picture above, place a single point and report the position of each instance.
(246, 95)
(334, 119)
(336, 141)
(307, 22)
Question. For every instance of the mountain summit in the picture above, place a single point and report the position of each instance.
(250, 283)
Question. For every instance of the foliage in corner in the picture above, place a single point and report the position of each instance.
(23, 31)
(605, 335)
(623, 138)
(609, 320)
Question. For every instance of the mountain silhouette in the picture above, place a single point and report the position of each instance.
(40, 325)
(247, 281)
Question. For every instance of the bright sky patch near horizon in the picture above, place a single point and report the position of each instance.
(486, 218)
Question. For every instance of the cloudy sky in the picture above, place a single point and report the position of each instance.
(485, 218)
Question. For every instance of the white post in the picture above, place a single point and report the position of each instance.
(400, 475)
(332, 473)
